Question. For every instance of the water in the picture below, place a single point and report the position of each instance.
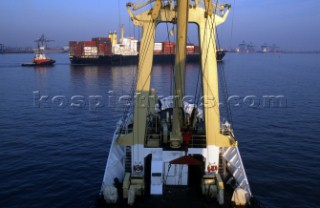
(53, 151)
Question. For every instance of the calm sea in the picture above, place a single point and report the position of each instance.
(56, 125)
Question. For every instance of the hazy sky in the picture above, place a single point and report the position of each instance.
(291, 24)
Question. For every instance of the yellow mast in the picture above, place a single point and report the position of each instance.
(179, 73)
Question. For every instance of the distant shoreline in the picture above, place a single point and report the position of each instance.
(32, 52)
(283, 52)
(13, 50)
(280, 52)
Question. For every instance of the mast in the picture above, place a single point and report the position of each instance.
(207, 36)
(179, 72)
(122, 33)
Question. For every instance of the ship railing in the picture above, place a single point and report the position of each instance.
(126, 125)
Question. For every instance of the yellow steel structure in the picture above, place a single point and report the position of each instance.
(179, 73)
(207, 20)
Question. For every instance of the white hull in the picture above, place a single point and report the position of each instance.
(162, 173)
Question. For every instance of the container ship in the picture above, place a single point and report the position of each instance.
(107, 50)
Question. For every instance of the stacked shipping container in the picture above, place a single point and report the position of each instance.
(101, 50)
(127, 46)
(102, 46)
(98, 46)
(158, 48)
(168, 47)
(190, 48)
(89, 48)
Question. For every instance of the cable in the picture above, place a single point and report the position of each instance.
(171, 66)
(232, 20)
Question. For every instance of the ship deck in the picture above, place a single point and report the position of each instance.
(173, 196)
(177, 196)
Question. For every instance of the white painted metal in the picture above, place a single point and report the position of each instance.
(137, 157)
(235, 165)
(156, 177)
(212, 155)
(115, 163)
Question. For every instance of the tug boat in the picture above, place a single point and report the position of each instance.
(169, 152)
(40, 58)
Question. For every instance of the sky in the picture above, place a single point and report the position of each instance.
(290, 24)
